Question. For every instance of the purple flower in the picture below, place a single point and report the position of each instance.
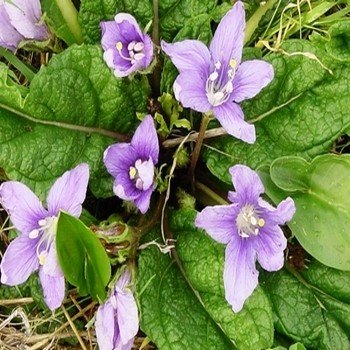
(35, 249)
(132, 165)
(126, 48)
(250, 229)
(215, 79)
(25, 17)
(9, 37)
(117, 320)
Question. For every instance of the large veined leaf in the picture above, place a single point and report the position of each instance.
(173, 14)
(69, 116)
(321, 191)
(312, 307)
(82, 257)
(302, 112)
(171, 315)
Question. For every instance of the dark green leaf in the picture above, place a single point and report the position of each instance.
(171, 315)
(309, 311)
(83, 260)
(73, 105)
(203, 262)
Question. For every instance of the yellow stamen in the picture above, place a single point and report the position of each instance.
(119, 45)
(233, 63)
(42, 258)
(132, 172)
(261, 222)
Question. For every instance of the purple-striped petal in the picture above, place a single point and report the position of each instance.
(231, 117)
(53, 289)
(143, 201)
(22, 205)
(247, 184)
(105, 326)
(189, 56)
(218, 221)
(240, 274)
(25, 16)
(145, 140)
(128, 26)
(280, 215)
(189, 89)
(228, 39)
(251, 78)
(52, 266)
(19, 261)
(118, 158)
(69, 191)
(269, 245)
(9, 37)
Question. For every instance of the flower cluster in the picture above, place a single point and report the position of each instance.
(212, 81)
(21, 20)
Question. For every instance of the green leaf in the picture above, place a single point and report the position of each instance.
(73, 109)
(203, 262)
(322, 220)
(83, 260)
(171, 315)
(339, 44)
(62, 17)
(174, 15)
(310, 312)
(302, 112)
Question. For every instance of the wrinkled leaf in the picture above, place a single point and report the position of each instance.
(82, 257)
(72, 106)
(171, 315)
(308, 310)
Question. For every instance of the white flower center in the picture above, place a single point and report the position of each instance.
(248, 222)
(135, 50)
(218, 87)
(142, 174)
(47, 230)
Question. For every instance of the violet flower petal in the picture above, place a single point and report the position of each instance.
(22, 205)
(128, 25)
(118, 158)
(218, 221)
(189, 55)
(127, 315)
(143, 201)
(228, 39)
(19, 261)
(9, 37)
(240, 274)
(69, 191)
(146, 173)
(105, 326)
(231, 117)
(189, 89)
(247, 184)
(25, 16)
(145, 140)
(251, 78)
(269, 245)
(53, 289)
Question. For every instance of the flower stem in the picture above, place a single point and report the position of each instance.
(155, 32)
(207, 196)
(157, 72)
(70, 15)
(197, 149)
(17, 63)
(254, 20)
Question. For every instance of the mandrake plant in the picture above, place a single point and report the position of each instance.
(174, 174)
